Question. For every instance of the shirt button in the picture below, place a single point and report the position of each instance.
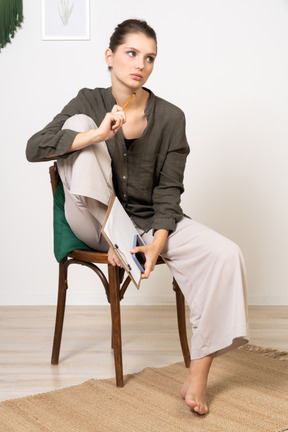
(125, 196)
(124, 177)
(125, 154)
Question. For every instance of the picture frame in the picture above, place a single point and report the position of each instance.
(65, 19)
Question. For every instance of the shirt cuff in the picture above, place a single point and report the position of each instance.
(164, 223)
(66, 141)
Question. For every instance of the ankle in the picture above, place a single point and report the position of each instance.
(200, 367)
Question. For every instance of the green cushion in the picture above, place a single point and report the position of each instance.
(64, 239)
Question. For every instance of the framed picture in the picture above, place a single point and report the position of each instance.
(65, 19)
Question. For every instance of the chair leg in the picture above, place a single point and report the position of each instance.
(114, 290)
(181, 318)
(61, 302)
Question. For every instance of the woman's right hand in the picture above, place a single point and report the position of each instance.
(111, 123)
(113, 258)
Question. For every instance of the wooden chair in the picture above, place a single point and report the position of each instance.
(115, 288)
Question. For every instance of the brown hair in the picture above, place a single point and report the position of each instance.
(130, 26)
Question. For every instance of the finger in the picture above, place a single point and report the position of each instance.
(113, 258)
(135, 250)
(115, 262)
(116, 127)
(118, 111)
(138, 249)
(146, 274)
(117, 122)
(117, 108)
(148, 268)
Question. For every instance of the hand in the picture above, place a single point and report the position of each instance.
(111, 123)
(113, 258)
(151, 255)
(152, 251)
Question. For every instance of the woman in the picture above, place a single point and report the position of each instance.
(146, 146)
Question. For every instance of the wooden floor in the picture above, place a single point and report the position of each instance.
(149, 336)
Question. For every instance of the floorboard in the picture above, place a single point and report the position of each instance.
(149, 336)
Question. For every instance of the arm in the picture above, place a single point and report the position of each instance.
(167, 193)
(53, 141)
(111, 123)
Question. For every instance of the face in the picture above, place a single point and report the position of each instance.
(132, 62)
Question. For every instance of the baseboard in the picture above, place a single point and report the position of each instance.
(268, 300)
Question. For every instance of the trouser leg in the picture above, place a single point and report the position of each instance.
(210, 272)
(87, 181)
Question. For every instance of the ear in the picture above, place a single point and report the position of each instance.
(109, 57)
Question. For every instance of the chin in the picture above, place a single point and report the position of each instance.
(139, 84)
(135, 86)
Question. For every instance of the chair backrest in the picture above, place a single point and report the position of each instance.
(54, 177)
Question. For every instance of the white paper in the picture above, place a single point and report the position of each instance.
(120, 230)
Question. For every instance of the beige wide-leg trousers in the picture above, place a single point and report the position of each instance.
(208, 267)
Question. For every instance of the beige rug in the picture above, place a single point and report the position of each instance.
(248, 392)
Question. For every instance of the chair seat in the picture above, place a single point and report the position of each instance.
(89, 256)
(97, 257)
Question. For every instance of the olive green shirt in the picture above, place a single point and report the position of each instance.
(148, 176)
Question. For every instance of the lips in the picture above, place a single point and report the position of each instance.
(137, 77)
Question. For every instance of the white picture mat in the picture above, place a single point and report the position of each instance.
(77, 25)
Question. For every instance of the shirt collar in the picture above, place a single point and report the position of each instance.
(110, 100)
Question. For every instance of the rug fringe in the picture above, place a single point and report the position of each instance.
(270, 352)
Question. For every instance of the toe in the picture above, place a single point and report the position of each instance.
(201, 409)
(190, 402)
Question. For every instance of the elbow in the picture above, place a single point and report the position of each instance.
(30, 155)
(32, 152)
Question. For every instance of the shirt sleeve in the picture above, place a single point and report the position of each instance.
(167, 194)
(52, 141)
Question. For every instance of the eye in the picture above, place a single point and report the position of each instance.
(150, 59)
(131, 53)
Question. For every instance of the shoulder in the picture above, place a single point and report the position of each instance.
(101, 97)
(166, 109)
(85, 95)
(90, 93)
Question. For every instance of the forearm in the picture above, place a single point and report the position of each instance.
(49, 143)
(159, 240)
(85, 139)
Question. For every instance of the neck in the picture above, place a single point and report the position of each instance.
(121, 96)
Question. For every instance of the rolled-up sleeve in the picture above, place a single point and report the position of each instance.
(167, 194)
(52, 140)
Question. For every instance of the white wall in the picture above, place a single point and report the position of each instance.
(225, 64)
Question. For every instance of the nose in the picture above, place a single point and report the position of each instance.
(140, 65)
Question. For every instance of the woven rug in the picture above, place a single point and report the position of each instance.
(247, 391)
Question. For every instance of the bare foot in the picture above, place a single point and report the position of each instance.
(194, 393)
(194, 388)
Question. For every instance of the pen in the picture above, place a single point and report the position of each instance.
(129, 100)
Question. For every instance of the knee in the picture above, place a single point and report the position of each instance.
(79, 123)
(230, 252)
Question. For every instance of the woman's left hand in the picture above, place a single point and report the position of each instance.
(152, 251)
(151, 255)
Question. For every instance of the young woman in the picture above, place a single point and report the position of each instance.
(140, 153)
